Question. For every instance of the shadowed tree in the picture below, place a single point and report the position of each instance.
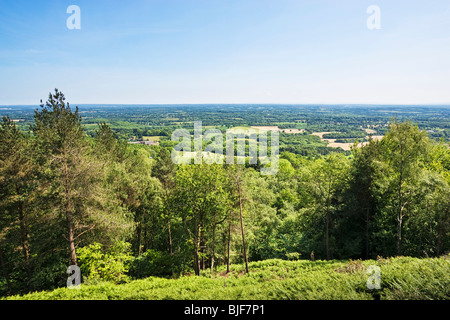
(165, 170)
(16, 184)
(404, 146)
(321, 182)
(361, 200)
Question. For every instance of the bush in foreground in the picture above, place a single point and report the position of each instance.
(401, 278)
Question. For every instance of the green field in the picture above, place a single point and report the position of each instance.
(154, 139)
(401, 278)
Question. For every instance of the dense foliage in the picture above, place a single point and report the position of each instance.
(401, 278)
(71, 196)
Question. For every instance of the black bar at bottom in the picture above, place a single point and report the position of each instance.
(221, 309)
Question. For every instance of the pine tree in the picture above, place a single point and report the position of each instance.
(74, 178)
(16, 185)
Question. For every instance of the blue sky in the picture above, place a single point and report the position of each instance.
(226, 51)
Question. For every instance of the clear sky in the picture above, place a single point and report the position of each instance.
(226, 51)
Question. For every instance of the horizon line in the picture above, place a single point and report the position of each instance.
(239, 103)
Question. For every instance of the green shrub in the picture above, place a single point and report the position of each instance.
(416, 279)
(97, 264)
(154, 264)
(293, 256)
(401, 278)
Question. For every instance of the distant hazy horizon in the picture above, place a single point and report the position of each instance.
(86, 105)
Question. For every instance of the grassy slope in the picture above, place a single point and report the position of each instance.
(401, 278)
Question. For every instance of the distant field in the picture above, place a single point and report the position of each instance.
(402, 278)
(154, 139)
(242, 129)
(370, 131)
(345, 146)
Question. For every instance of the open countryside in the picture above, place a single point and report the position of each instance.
(171, 231)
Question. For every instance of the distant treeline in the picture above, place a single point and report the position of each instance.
(123, 119)
(345, 135)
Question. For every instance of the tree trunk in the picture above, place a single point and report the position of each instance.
(399, 235)
(229, 245)
(139, 238)
(73, 255)
(327, 238)
(170, 238)
(400, 222)
(169, 229)
(203, 254)
(366, 254)
(69, 217)
(213, 249)
(196, 248)
(400, 209)
(24, 239)
(327, 218)
(242, 228)
(196, 263)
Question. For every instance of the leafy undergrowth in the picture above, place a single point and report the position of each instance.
(401, 278)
